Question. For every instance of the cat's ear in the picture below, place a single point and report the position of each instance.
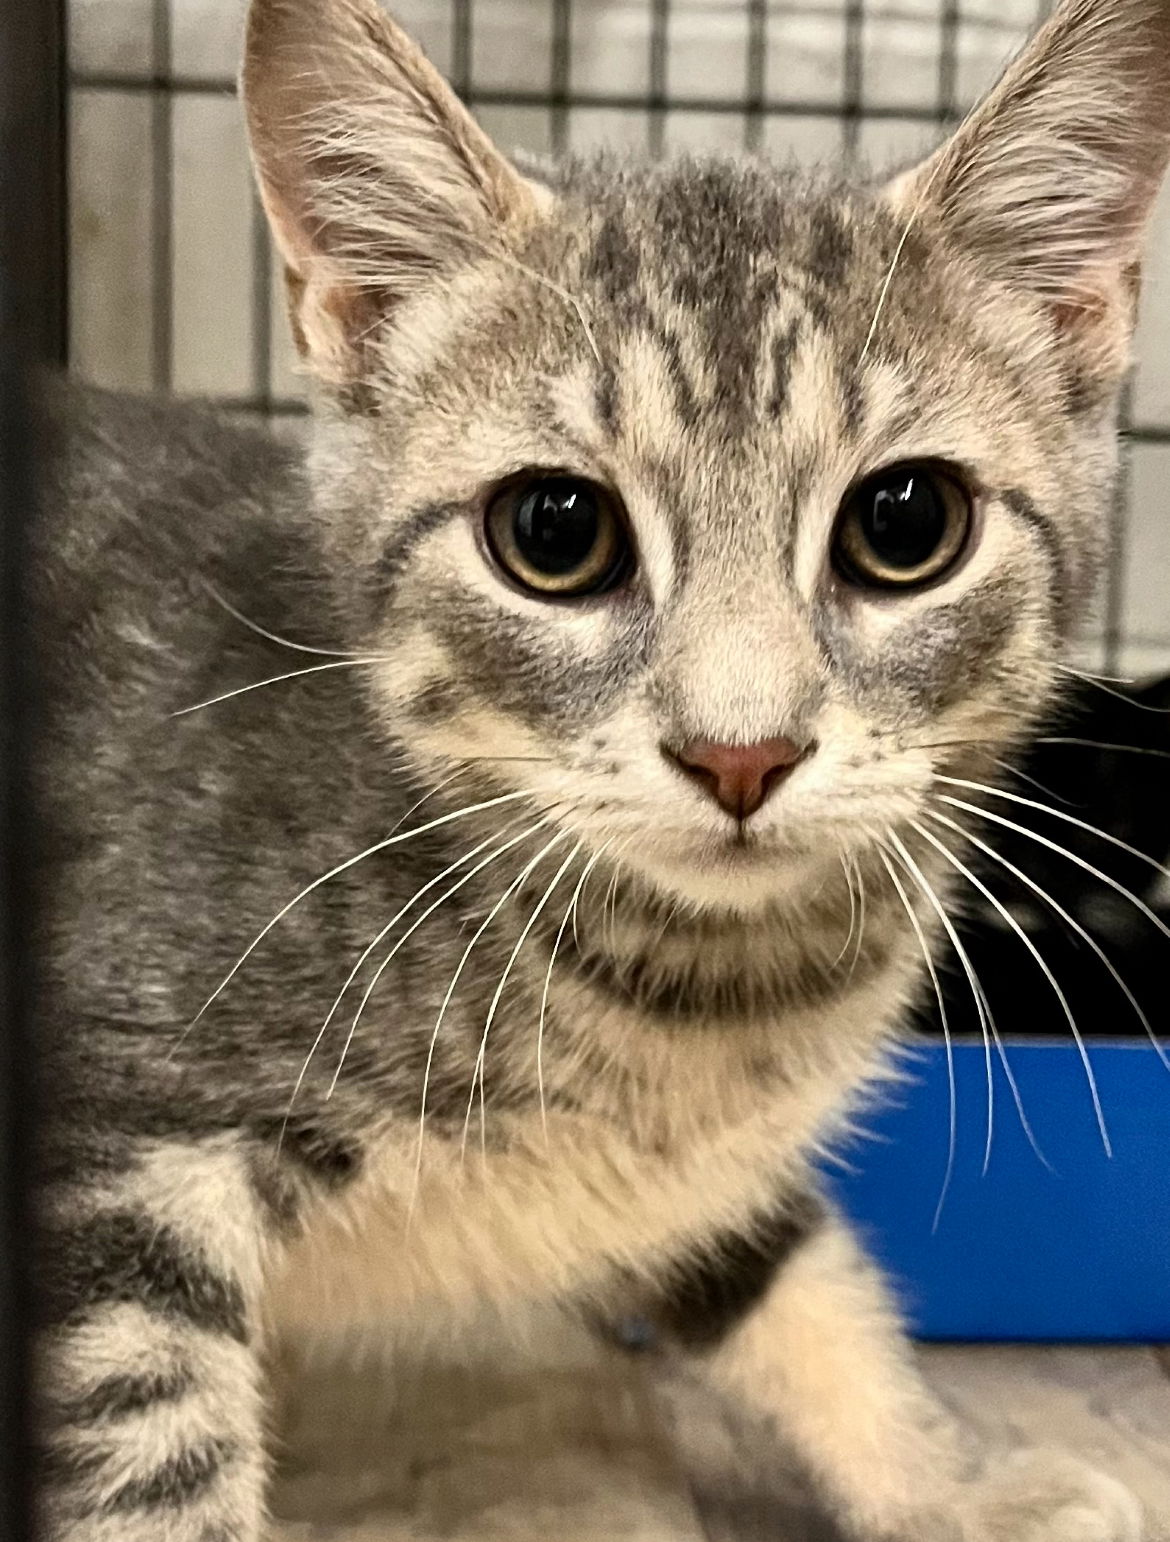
(375, 178)
(1050, 182)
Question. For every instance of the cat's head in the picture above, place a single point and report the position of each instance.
(716, 507)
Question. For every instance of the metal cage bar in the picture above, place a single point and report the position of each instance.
(33, 331)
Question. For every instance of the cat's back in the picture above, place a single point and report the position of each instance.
(152, 508)
(162, 525)
(168, 832)
(144, 493)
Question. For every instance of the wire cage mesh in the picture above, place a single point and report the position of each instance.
(172, 278)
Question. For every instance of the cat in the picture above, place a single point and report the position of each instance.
(454, 836)
(1100, 766)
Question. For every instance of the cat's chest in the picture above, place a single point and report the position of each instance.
(528, 1223)
(684, 1143)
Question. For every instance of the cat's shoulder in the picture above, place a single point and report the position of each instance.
(118, 458)
(145, 503)
(143, 494)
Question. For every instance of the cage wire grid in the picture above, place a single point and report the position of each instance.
(518, 65)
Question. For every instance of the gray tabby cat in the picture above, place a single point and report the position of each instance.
(669, 536)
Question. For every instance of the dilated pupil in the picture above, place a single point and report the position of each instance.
(556, 526)
(905, 519)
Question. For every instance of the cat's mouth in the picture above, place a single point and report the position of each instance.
(739, 866)
(743, 847)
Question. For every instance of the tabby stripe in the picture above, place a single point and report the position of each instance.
(178, 1481)
(125, 1255)
(686, 403)
(715, 1286)
(1018, 503)
(637, 982)
(119, 1397)
(398, 551)
(783, 350)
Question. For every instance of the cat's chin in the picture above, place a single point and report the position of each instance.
(730, 874)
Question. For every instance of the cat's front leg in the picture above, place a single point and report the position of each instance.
(796, 1330)
(148, 1383)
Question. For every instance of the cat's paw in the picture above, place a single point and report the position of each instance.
(1041, 1496)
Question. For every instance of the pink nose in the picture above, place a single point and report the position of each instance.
(739, 776)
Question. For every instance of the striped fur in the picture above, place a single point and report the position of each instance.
(601, 1034)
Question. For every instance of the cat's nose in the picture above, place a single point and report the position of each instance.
(739, 776)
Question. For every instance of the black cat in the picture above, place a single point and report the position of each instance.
(1104, 760)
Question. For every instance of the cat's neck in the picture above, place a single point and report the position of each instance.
(670, 960)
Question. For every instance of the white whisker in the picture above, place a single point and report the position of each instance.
(928, 959)
(1069, 819)
(382, 845)
(982, 1008)
(561, 293)
(353, 973)
(1093, 677)
(846, 868)
(570, 912)
(480, 1066)
(1069, 920)
(1001, 909)
(410, 931)
(609, 903)
(883, 293)
(1098, 744)
(1105, 684)
(434, 1039)
(284, 642)
(1071, 856)
(446, 1002)
(397, 916)
(987, 1023)
(860, 921)
(1006, 765)
(291, 674)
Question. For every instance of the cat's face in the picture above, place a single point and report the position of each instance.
(715, 510)
(691, 483)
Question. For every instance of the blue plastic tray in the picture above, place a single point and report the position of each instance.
(1078, 1252)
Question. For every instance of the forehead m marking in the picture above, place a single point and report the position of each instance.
(780, 353)
(614, 263)
(710, 239)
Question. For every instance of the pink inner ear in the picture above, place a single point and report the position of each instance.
(374, 177)
(1098, 317)
(1050, 182)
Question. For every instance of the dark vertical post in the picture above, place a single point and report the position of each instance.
(854, 71)
(755, 84)
(461, 70)
(162, 154)
(560, 74)
(1115, 586)
(948, 62)
(33, 330)
(261, 309)
(659, 40)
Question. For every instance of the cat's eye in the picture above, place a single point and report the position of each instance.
(902, 527)
(558, 535)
